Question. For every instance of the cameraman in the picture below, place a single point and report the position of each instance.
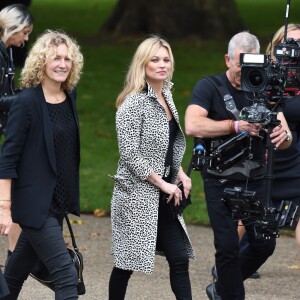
(207, 117)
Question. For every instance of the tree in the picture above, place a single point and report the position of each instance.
(175, 18)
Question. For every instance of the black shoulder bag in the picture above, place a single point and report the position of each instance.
(173, 210)
(41, 274)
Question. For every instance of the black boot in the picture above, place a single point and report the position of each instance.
(212, 293)
(214, 273)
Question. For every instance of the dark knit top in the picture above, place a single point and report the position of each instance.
(66, 151)
(173, 127)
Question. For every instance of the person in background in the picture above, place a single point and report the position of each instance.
(18, 53)
(151, 147)
(286, 182)
(208, 117)
(16, 24)
(38, 195)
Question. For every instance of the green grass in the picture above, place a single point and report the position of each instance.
(264, 17)
(105, 67)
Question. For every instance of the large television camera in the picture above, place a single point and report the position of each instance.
(273, 80)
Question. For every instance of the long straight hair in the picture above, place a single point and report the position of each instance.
(135, 78)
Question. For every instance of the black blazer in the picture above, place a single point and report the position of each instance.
(7, 89)
(28, 157)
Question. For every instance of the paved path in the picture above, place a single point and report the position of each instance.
(280, 276)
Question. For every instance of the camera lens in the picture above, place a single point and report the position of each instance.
(256, 78)
(253, 79)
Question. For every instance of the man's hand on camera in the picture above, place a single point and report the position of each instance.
(252, 128)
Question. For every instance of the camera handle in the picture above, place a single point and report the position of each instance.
(270, 159)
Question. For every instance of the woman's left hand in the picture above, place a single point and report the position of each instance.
(5, 221)
(279, 135)
(186, 182)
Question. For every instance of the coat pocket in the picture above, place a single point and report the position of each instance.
(123, 183)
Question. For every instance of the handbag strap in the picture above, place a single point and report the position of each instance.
(71, 233)
(189, 170)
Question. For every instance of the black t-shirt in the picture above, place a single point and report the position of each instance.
(66, 146)
(207, 96)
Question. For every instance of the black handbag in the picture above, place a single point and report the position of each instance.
(41, 274)
(173, 210)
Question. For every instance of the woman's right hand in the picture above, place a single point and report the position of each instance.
(5, 219)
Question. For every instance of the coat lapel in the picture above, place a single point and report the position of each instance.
(72, 96)
(48, 132)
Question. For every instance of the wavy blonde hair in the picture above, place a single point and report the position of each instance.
(13, 18)
(43, 51)
(278, 37)
(135, 78)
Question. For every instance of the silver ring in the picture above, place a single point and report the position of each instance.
(176, 195)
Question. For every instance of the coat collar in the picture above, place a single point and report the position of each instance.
(166, 91)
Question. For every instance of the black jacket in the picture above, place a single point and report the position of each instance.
(28, 157)
(7, 89)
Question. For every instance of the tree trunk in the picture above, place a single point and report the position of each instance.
(217, 19)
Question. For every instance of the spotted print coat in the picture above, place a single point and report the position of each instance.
(143, 136)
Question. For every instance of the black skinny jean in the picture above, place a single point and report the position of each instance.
(48, 245)
(233, 265)
(170, 240)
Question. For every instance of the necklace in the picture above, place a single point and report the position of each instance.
(50, 95)
(56, 98)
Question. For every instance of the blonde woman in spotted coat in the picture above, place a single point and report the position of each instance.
(151, 146)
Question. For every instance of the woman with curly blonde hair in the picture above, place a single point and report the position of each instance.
(45, 50)
(39, 170)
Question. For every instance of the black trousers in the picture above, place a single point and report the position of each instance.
(3, 286)
(233, 265)
(48, 245)
(170, 240)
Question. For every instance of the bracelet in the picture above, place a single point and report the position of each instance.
(8, 200)
(236, 126)
(231, 126)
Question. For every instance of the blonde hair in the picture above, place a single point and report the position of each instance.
(278, 37)
(135, 78)
(13, 18)
(43, 51)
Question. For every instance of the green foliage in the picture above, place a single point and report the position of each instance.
(104, 71)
